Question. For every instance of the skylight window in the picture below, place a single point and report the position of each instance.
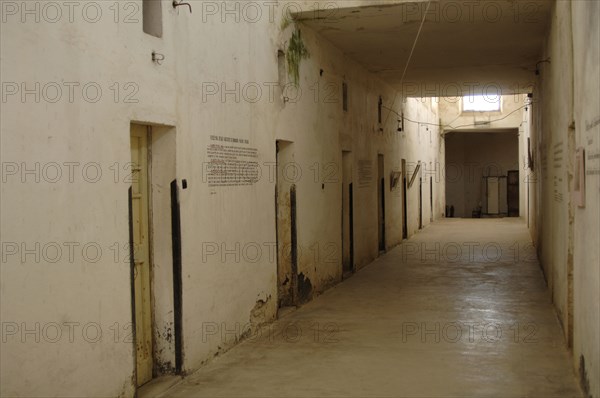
(481, 103)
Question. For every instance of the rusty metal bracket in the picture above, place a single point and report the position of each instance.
(181, 3)
(412, 180)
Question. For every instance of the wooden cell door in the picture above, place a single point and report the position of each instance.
(140, 205)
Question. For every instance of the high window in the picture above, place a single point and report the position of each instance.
(481, 103)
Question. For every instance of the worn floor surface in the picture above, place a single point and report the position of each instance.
(460, 310)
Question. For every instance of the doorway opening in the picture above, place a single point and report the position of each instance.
(404, 202)
(155, 238)
(431, 199)
(347, 216)
(420, 202)
(286, 230)
(477, 166)
(513, 193)
(381, 203)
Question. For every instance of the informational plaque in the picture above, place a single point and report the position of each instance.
(365, 173)
(231, 162)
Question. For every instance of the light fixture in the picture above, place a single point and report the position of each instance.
(401, 124)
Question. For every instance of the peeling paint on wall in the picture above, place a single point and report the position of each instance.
(261, 314)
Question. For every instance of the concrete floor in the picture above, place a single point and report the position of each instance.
(407, 326)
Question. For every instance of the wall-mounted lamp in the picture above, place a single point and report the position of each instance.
(401, 124)
(530, 99)
(181, 3)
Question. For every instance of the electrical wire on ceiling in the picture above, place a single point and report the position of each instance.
(404, 75)
(491, 121)
(411, 53)
(447, 126)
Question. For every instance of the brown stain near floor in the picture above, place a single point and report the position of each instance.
(583, 377)
(305, 289)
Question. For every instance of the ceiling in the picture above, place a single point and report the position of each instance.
(463, 46)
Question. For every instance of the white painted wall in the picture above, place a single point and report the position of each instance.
(219, 289)
(566, 116)
(586, 250)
